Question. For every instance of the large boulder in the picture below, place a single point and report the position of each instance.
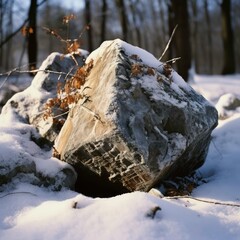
(143, 123)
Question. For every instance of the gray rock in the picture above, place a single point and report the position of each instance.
(143, 124)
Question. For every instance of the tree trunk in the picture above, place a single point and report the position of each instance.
(135, 22)
(163, 20)
(8, 57)
(123, 19)
(171, 50)
(32, 35)
(195, 35)
(1, 32)
(181, 41)
(104, 20)
(88, 19)
(228, 38)
(209, 36)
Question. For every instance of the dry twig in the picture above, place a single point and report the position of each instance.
(205, 201)
(168, 43)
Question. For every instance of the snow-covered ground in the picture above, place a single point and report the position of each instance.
(31, 212)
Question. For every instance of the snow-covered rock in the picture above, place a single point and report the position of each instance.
(227, 105)
(23, 130)
(142, 125)
(22, 160)
(28, 105)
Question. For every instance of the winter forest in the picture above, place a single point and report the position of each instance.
(119, 119)
(206, 39)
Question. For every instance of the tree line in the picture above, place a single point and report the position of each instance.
(206, 38)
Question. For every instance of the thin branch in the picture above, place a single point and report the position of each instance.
(5, 80)
(13, 33)
(95, 115)
(173, 60)
(16, 70)
(18, 29)
(205, 201)
(168, 43)
(13, 193)
(62, 114)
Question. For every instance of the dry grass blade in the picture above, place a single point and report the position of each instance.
(168, 43)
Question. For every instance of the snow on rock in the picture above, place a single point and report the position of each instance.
(28, 105)
(140, 127)
(22, 160)
(22, 129)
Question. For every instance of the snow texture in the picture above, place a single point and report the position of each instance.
(30, 212)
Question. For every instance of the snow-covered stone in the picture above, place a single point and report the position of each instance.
(142, 124)
(227, 105)
(23, 130)
(28, 105)
(22, 160)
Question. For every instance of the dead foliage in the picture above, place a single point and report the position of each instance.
(68, 94)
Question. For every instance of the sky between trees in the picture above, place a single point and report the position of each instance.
(206, 39)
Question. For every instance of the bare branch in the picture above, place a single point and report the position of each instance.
(16, 70)
(13, 193)
(18, 29)
(205, 201)
(173, 60)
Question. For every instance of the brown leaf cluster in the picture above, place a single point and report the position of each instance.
(69, 93)
(26, 30)
(72, 46)
(137, 69)
(167, 70)
(68, 18)
(135, 57)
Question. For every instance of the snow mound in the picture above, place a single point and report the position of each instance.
(227, 105)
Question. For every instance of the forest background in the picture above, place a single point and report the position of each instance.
(207, 38)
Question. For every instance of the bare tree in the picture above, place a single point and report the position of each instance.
(1, 17)
(8, 57)
(209, 35)
(88, 19)
(195, 34)
(228, 38)
(133, 7)
(32, 35)
(1, 30)
(123, 18)
(104, 20)
(178, 15)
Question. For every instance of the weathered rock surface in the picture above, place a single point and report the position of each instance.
(227, 105)
(142, 125)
